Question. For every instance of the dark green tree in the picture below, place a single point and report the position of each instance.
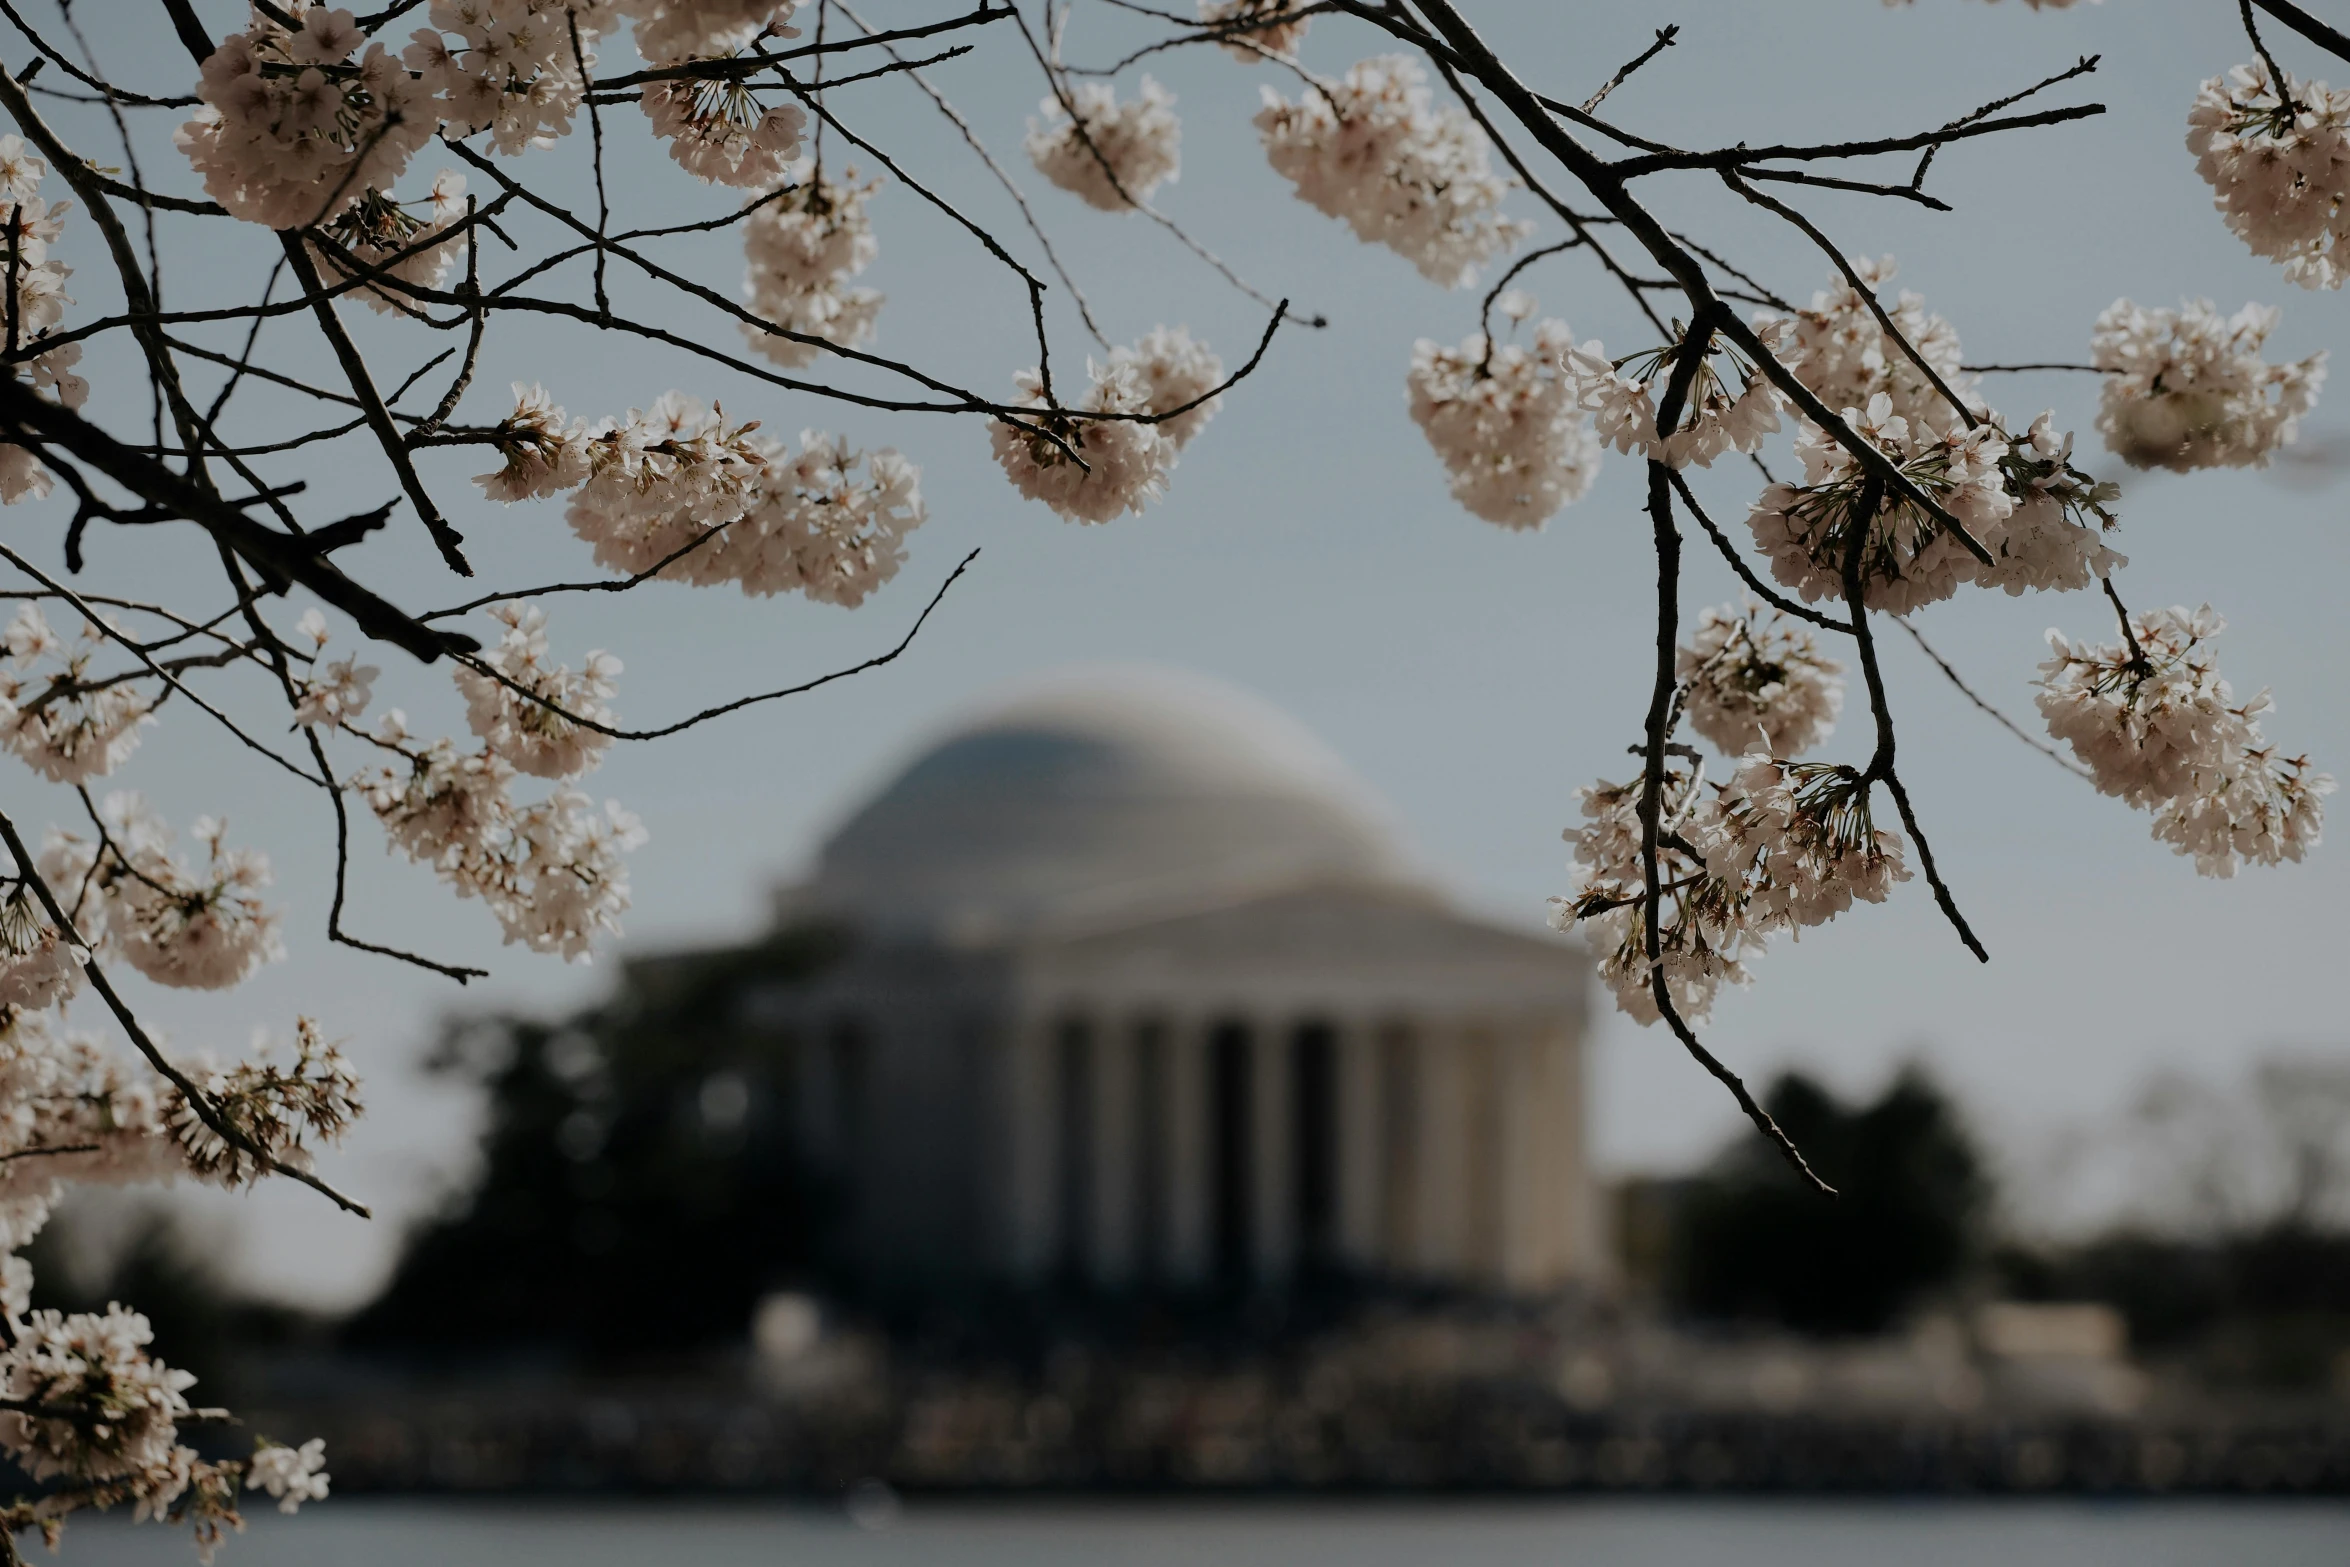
(639, 1186)
(1752, 1241)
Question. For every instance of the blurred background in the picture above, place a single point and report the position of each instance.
(1115, 1048)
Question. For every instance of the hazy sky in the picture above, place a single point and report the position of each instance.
(1308, 552)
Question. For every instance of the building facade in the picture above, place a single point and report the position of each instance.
(1142, 992)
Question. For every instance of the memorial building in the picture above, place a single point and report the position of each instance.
(1141, 990)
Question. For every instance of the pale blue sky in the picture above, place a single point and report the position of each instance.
(1308, 552)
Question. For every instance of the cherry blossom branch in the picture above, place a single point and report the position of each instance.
(2276, 72)
(743, 66)
(334, 914)
(285, 557)
(1859, 286)
(1660, 707)
(1993, 713)
(158, 670)
(1665, 39)
(492, 672)
(1880, 768)
(197, 1100)
(1019, 197)
(1739, 157)
(2334, 41)
(2082, 67)
(1746, 574)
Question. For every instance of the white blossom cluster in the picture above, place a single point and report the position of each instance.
(718, 129)
(293, 1475)
(1783, 846)
(1751, 684)
(1108, 154)
(60, 720)
(297, 125)
(513, 68)
(382, 236)
(535, 728)
(802, 248)
(294, 129)
(100, 1414)
(194, 927)
(333, 694)
(1177, 371)
(2187, 388)
(1257, 28)
(2279, 167)
(1838, 348)
(1798, 840)
(2041, 519)
(1504, 421)
(1372, 149)
(1622, 398)
(2160, 729)
(39, 966)
(553, 873)
(723, 132)
(683, 29)
(677, 488)
(1704, 939)
(1125, 460)
(273, 1112)
(40, 301)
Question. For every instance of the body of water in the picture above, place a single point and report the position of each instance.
(1572, 1533)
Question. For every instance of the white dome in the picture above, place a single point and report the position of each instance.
(1102, 793)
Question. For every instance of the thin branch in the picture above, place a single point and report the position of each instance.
(1770, 595)
(198, 1101)
(1739, 157)
(1665, 37)
(1993, 713)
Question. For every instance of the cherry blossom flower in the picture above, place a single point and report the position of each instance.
(1504, 421)
(2187, 388)
(825, 530)
(194, 928)
(1838, 348)
(99, 1363)
(802, 247)
(292, 132)
(1108, 154)
(1372, 149)
(39, 967)
(663, 480)
(722, 131)
(1257, 28)
(1705, 938)
(276, 1113)
(1798, 838)
(513, 70)
(1126, 460)
(669, 30)
(2159, 728)
(1176, 370)
(1622, 399)
(375, 229)
(64, 723)
(2279, 166)
(530, 734)
(542, 454)
(1754, 684)
(293, 1475)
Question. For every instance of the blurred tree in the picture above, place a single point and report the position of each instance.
(639, 1187)
(1752, 1241)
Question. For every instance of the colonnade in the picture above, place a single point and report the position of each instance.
(1156, 1151)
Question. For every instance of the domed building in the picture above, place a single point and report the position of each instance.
(1143, 991)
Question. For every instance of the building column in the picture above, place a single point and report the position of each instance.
(1272, 1117)
(1116, 1149)
(1361, 1127)
(1184, 1248)
(1032, 1152)
(1441, 1232)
